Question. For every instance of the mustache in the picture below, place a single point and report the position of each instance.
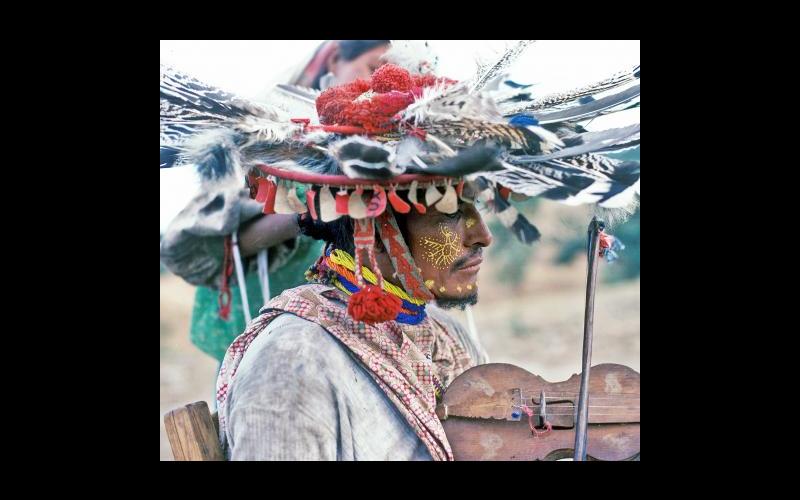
(475, 252)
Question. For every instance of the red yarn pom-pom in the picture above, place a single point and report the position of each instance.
(392, 90)
(373, 305)
(391, 77)
(333, 100)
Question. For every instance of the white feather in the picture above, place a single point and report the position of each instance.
(408, 151)
(559, 100)
(262, 130)
(508, 216)
(293, 105)
(546, 136)
(317, 137)
(627, 199)
(414, 55)
(615, 216)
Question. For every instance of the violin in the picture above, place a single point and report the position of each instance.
(500, 411)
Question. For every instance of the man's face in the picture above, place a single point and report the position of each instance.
(448, 250)
(361, 67)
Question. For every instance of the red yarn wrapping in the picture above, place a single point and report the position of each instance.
(429, 80)
(394, 89)
(422, 81)
(373, 305)
(604, 243)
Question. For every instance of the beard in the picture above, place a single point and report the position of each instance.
(460, 302)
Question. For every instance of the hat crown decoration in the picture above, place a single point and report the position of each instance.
(407, 124)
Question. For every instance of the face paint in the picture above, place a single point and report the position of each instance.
(438, 244)
(441, 253)
(470, 222)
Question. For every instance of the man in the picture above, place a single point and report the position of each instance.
(350, 366)
(316, 385)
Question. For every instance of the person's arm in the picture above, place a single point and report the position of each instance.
(193, 245)
(267, 231)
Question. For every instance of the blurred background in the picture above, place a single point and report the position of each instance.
(531, 302)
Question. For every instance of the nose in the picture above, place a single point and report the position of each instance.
(477, 233)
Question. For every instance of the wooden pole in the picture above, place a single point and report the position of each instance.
(595, 226)
(193, 434)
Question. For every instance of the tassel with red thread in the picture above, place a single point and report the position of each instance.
(371, 304)
(224, 297)
(609, 246)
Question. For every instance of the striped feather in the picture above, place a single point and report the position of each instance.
(488, 72)
(466, 132)
(189, 106)
(585, 179)
(602, 106)
(552, 101)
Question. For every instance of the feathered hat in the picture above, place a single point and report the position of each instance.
(364, 149)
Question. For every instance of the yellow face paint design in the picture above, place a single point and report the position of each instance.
(441, 253)
(442, 289)
(429, 284)
(470, 222)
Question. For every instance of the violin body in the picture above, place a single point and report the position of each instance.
(499, 411)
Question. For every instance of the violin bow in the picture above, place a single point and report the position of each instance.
(595, 228)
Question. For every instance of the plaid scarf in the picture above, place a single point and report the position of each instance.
(402, 359)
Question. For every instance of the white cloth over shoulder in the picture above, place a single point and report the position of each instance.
(300, 395)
